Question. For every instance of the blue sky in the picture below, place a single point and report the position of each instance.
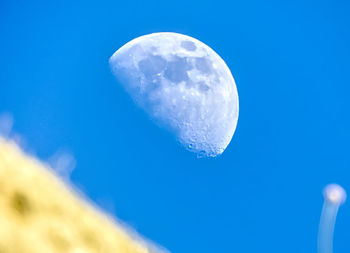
(290, 60)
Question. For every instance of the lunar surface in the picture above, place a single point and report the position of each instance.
(184, 86)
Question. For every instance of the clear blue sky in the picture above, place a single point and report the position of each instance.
(290, 60)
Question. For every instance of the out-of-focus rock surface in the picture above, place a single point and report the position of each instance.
(41, 214)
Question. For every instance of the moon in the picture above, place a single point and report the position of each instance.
(184, 86)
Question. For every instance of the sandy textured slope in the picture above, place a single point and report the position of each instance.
(40, 214)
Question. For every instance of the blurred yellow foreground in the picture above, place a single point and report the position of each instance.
(39, 214)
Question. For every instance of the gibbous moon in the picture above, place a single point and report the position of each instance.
(184, 86)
